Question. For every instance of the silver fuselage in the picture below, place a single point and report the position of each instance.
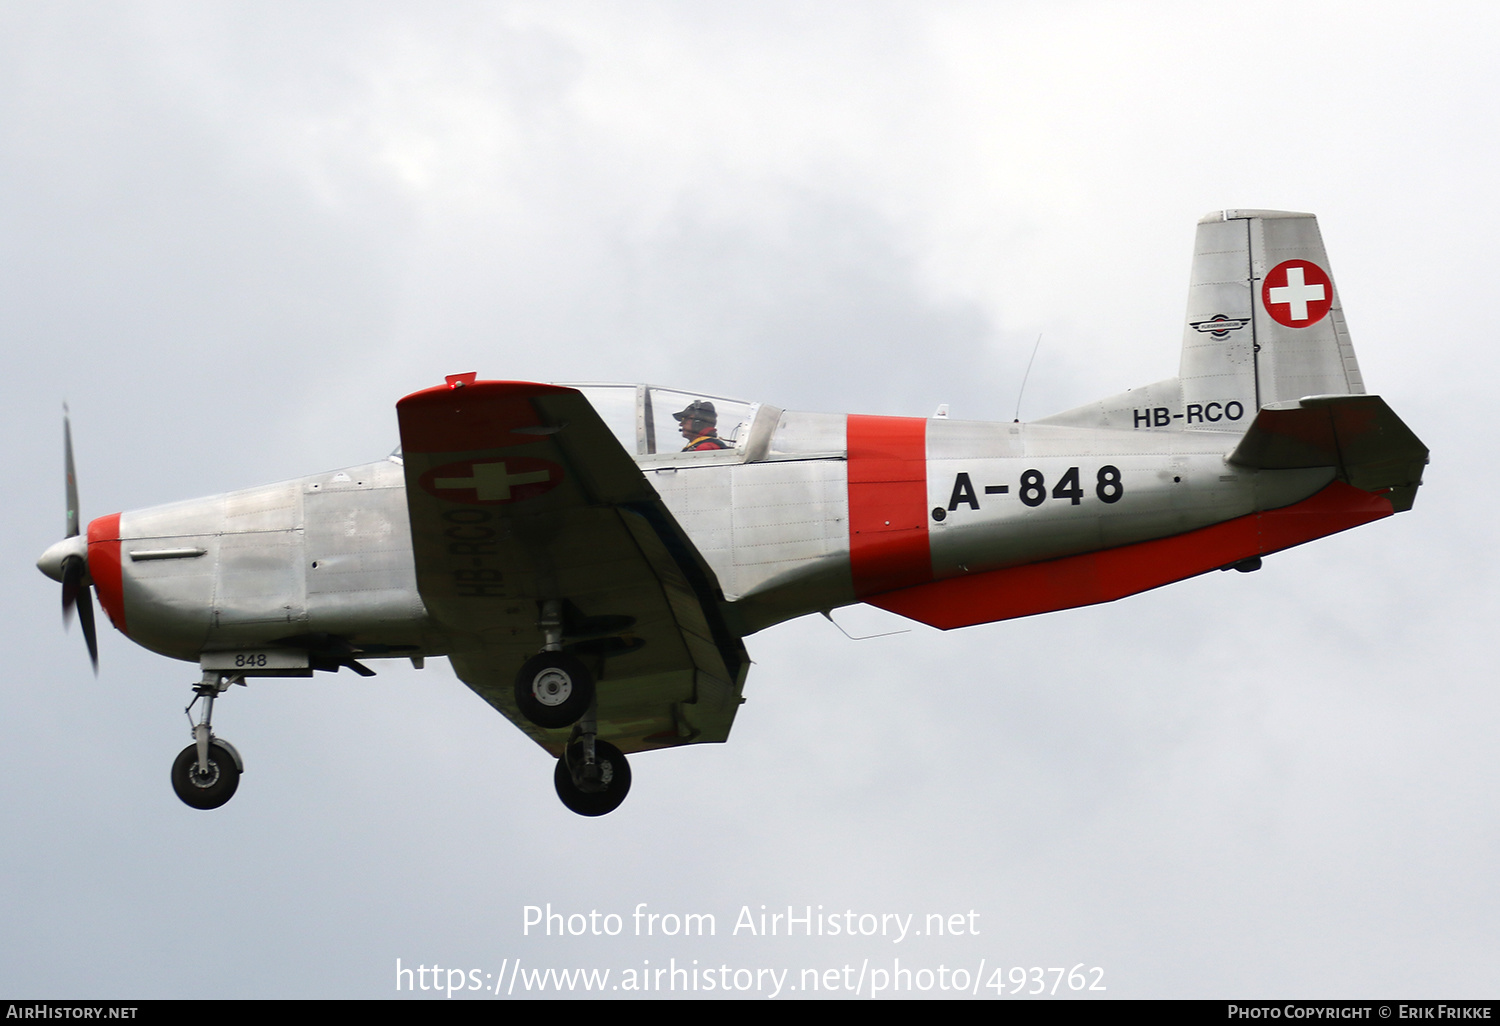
(331, 554)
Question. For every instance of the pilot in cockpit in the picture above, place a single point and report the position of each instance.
(699, 424)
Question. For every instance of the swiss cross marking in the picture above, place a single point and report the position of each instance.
(492, 481)
(1297, 293)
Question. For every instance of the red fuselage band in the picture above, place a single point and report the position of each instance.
(888, 546)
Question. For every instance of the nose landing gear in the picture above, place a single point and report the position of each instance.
(206, 773)
(210, 788)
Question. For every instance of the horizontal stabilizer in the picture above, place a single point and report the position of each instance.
(1359, 434)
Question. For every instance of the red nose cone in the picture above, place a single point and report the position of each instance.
(105, 568)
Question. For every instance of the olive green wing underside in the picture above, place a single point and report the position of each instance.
(518, 493)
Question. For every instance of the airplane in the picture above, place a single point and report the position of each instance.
(593, 578)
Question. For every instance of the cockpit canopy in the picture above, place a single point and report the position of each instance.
(666, 424)
(649, 421)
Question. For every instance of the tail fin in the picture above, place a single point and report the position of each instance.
(1264, 324)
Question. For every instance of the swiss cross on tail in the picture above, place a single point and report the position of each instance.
(1297, 293)
(483, 482)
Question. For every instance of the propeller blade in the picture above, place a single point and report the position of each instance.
(72, 477)
(73, 570)
(86, 621)
(76, 590)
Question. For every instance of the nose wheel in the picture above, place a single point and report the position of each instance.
(207, 772)
(210, 788)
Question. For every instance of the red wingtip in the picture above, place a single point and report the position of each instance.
(468, 414)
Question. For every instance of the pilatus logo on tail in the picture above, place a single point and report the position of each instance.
(1220, 326)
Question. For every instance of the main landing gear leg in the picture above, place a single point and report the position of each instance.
(553, 689)
(207, 772)
(592, 778)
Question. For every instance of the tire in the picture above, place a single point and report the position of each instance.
(597, 803)
(205, 792)
(553, 690)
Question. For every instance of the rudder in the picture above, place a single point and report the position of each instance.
(1264, 323)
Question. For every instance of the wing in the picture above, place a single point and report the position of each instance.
(518, 493)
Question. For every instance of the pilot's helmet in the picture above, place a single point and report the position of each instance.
(700, 409)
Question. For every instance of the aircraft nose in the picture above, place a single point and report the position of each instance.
(52, 560)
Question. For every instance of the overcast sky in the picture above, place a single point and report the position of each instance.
(233, 235)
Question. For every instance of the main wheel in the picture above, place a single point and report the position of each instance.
(616, 779)
(205, 790)
(553, 690)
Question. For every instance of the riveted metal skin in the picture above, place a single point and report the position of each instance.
(328, 554)
(587, 519)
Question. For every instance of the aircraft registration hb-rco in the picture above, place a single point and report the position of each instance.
(592, 577)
